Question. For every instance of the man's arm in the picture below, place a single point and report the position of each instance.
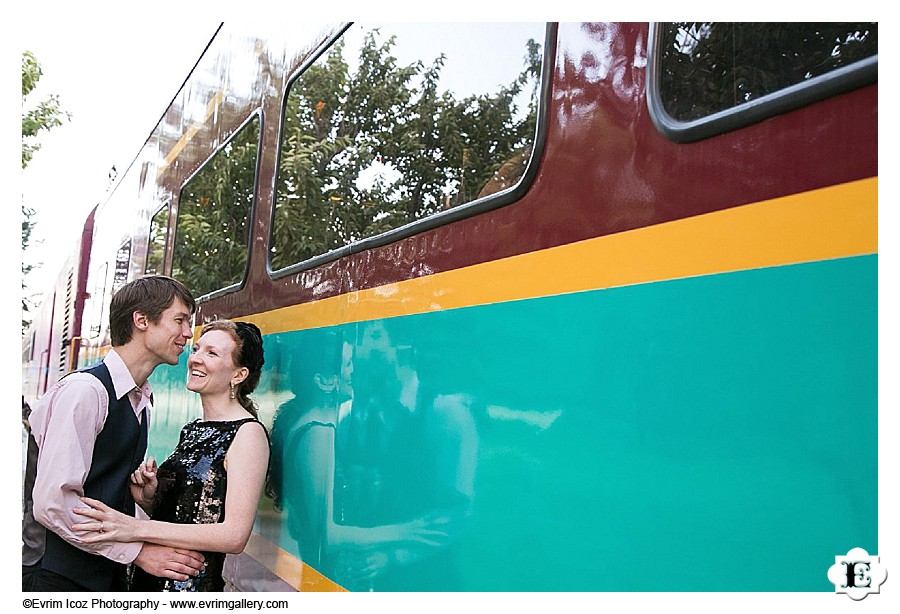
(65, 424)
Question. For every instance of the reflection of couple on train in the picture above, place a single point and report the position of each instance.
(89, 439)
(373, 471)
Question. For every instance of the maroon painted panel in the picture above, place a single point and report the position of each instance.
(605, 169)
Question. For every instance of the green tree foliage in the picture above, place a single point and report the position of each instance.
(710, 67)
(441, 152)
(212, 231)
(45, 115)
(156, 246)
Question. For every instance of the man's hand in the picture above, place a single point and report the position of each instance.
(171, 563)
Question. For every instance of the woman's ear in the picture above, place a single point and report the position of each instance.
(240, 375)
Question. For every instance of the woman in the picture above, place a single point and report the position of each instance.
(205, 495)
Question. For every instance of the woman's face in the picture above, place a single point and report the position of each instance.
(211, 367)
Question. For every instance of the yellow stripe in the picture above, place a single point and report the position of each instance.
(834, 222)
(288, 567)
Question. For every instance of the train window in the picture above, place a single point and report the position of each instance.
(710, 77)
(123, 260)
(212, 227)
(396, 124)
(98, 299)
(156, 244)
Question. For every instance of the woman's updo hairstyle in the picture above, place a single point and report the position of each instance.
(248, 352)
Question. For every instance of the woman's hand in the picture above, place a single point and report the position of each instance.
(144, 483)
(105, 524)
(419, 532)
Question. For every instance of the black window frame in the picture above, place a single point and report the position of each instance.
(168, 229)
(98, 296)
(251, 214)
(842, 80)
(466, 210)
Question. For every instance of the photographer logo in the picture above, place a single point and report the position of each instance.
(857, 574)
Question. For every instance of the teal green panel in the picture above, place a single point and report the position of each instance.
(683, 435)
(173, 407)
(703, 417)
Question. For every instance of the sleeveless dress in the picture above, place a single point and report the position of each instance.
(192, 484)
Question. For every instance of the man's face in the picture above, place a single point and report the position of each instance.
(166, 339)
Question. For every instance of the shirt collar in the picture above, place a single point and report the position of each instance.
(123, 382)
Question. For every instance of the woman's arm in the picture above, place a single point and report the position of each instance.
(246, 462)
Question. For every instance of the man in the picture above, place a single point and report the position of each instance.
(33, 533)
(91, 430)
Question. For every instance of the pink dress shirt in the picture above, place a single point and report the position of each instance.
(65, 423)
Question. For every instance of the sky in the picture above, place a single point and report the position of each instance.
(115, 80)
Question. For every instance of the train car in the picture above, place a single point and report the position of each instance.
(52, 345)
(547, 307)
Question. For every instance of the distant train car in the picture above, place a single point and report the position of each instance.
(541, 303)
(53, 343)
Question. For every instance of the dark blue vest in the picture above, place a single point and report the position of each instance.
(119, 449)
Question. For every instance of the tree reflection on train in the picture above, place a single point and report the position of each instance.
(377, 470)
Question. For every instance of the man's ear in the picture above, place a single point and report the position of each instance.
(140, 320)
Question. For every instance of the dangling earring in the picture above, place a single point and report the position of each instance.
(232, 390)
